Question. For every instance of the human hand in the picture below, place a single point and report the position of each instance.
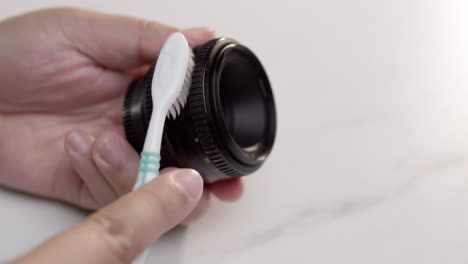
(122, 230)
(63, 77)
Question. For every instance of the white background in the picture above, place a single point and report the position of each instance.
(371, 160)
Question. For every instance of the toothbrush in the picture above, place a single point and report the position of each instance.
(169, 90)
(170, 86)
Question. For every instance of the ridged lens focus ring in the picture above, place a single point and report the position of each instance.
(228, 126)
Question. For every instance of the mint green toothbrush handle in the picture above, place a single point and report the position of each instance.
(149, 168)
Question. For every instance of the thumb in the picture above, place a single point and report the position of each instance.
(123, 229)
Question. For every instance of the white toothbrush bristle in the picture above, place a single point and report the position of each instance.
(179, 104)
(176, 105)
(173, 112)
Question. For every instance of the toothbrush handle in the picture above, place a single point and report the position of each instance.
(149, 168)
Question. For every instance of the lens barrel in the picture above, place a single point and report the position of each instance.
(227, 128)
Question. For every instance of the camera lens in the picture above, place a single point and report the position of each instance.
(228, 126)
(241, 100)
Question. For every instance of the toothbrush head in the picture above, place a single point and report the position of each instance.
(168, 88)
(179, 104)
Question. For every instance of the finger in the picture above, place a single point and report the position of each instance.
(198, 36)
(199, 210)
(116, 160)
(201, 207)
(228, 190)
(120, 231)
(121, 42)
(96, 191)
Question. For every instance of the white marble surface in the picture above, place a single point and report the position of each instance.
(371, 161)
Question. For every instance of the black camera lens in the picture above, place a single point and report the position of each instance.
(228, 126)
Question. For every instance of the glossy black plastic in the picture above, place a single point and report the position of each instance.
(227, 129)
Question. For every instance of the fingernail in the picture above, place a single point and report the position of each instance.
(111, 151)
(189, 182)
(79, 142)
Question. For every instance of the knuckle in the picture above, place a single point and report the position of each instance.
(157, 202)
(113, 234)
(60, 10)
(199, 210)
(63, 13)
(149, 26)
(147, 31)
